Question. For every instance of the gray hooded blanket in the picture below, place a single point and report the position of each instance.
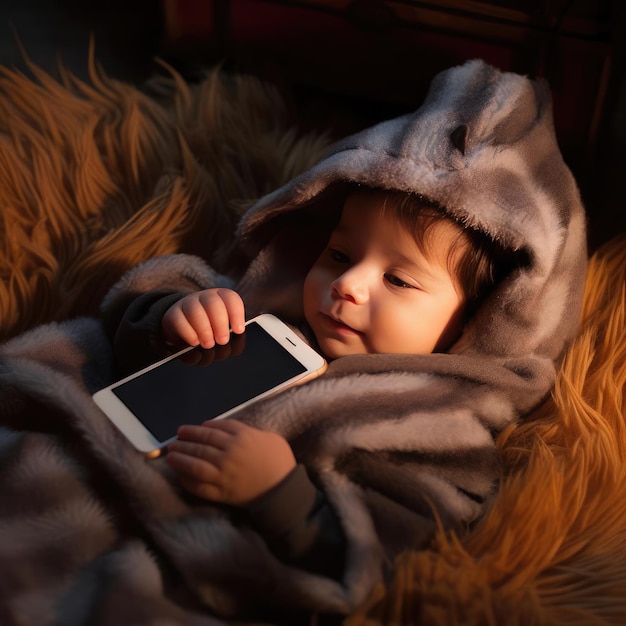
(399, 443)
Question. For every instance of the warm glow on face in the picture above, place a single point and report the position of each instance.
(373, 291)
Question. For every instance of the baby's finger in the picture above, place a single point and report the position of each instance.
(192, 467)
(197, 450)
(227, 428)
(236, 309)
(176, 327)
(204, 435)
(198, 318)
(217, 313)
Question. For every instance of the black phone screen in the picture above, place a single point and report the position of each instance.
(202, 384)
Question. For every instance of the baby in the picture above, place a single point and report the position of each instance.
(396, 276)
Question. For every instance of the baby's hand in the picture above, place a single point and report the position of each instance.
(204, 318)
(228, 461)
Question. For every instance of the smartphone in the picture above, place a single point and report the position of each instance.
(196, 384)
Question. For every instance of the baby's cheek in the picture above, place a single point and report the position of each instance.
(396, 331)
(312, 289)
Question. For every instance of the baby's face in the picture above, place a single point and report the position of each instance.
(373, 291)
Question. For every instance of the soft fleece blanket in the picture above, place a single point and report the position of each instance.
(73, 545)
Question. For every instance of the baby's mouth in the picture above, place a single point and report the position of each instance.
(338, 325)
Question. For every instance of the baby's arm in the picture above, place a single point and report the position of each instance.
(204, 318)
(228, 461)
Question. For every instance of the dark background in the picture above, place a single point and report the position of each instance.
(127, 34)
(349, 63)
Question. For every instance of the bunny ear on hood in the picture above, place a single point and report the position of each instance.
(483, 148)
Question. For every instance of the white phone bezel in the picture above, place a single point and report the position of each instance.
(144, 441)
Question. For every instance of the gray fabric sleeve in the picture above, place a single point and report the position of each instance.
(299, 526)
(135, 332)
(134, 307)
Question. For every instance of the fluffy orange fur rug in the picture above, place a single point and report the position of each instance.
(96, 177)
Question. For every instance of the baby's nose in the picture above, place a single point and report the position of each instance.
(351, 286)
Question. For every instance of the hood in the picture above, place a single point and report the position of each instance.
(483, 148)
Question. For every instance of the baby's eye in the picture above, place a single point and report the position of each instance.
(338, 256)
(397, 282)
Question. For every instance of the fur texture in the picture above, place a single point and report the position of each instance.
(90, 530)
(98, 177)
